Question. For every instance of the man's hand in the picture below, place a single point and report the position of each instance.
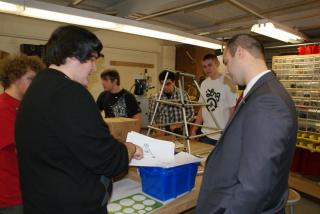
(134, 151)
(194, 132)
(139, 153)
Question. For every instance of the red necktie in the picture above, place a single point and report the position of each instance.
(239, 100)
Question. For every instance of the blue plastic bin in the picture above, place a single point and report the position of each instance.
(167, 183)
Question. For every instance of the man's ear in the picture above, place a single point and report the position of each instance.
(241, 52)
(217, 62)
(71, 59)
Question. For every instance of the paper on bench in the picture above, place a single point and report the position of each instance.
(182, 158)
(155, 152)
(125, 187)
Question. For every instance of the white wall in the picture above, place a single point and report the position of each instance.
(15, 30)
(127, 74)
(132, 48)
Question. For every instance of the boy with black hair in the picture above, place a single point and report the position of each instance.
(116, 101)
(170, 113)
(67, 156)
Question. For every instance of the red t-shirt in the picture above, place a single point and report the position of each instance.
(9, 175)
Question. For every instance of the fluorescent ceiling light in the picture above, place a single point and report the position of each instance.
(8, 7)
(67, 18)
(149, 33)
(276, 31)
(42, 10)
(201, 43)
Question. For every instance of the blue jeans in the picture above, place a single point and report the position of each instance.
(208, 140)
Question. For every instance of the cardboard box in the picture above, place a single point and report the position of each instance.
(120, 126)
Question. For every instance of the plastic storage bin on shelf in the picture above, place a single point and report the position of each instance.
(168, 183)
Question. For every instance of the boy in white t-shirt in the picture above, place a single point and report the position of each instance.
(219, 93)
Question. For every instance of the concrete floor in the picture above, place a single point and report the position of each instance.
(306, 205)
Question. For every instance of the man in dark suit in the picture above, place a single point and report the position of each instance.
(247, 173)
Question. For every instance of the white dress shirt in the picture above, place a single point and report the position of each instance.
(253, 81)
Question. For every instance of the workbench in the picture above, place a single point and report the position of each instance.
(189, 200)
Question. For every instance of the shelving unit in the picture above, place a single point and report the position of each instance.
(300, 75)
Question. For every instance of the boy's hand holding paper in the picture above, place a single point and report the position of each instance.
(158, 153)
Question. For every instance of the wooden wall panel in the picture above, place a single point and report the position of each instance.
(189, 59)
(131, 64)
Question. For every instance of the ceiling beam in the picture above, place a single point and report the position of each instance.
(226, 29)
(206, 30)
(202, 6)
(246, 9)
(312, 27)
(174, 10)
(75, 3)
(268, 12)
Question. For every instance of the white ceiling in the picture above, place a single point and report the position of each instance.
(217, 19)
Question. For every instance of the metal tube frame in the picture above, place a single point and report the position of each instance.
(201, 135)
(183, 105)
(168, 124)
(169, 102)
(186, 131)
(165, 131)
(157, 103)
(195, 104)
(199, 125)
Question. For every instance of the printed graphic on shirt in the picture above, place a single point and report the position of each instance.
(213, 99)
(119, 108)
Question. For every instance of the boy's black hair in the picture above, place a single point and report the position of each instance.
(71, 41)
(171, 75)
(210, 56)
(111, 75)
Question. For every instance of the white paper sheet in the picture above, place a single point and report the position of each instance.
(124, 188)
(182, 158)
(155, 152)
(158, 153)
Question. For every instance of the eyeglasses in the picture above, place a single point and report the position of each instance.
(95, 56)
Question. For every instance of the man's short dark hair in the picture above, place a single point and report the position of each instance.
(248, 42)
(111, 75)
(71, 41)
(209, 56)
(171, 75)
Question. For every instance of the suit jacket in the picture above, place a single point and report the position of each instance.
(248, 170)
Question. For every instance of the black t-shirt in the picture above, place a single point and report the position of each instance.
(121, 104)
(64, 148)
